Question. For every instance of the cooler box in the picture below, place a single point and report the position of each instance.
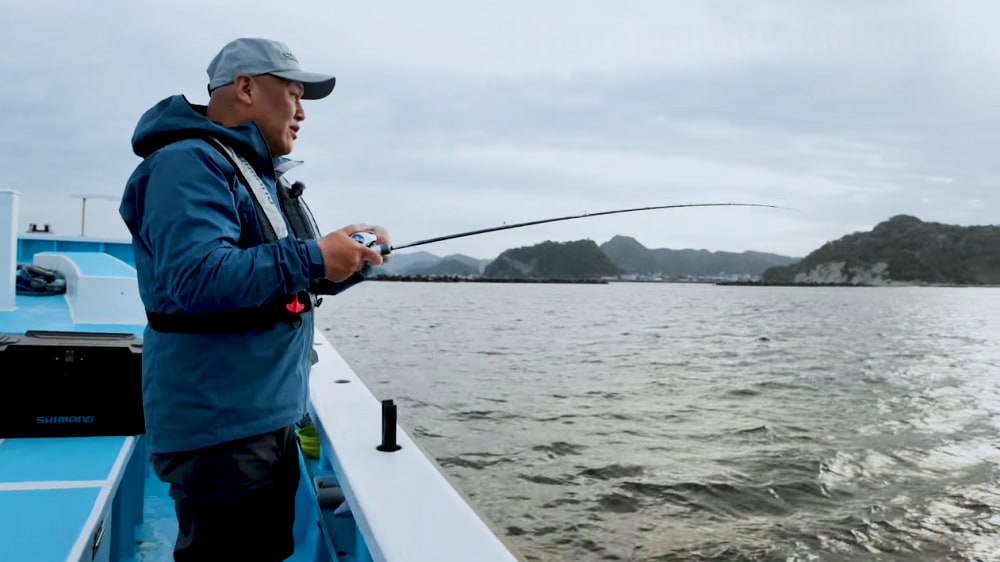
(70, 384)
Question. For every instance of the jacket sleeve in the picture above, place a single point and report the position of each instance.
(191, 224)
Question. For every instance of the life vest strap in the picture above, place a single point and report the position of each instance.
(234, 321)
(289, 309)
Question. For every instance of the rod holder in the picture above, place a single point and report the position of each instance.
(388, 428)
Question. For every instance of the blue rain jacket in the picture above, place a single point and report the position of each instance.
(184, 205)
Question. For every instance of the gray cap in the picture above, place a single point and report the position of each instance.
(262, 56)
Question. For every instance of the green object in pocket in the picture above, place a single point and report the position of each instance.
(308, 441)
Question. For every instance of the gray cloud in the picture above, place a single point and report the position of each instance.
(849, 112)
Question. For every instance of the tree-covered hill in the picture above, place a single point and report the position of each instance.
(902, 249)
(580, 259)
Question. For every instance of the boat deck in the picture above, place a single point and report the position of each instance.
(51, 491)
(58, 495)
(52, 313)
(61, 496)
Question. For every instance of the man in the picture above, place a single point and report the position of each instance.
(228, 288)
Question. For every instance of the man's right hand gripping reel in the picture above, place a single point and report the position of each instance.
(370, 240)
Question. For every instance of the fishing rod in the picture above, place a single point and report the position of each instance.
(368, 239)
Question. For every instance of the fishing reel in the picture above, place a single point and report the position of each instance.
(367, 239)
(371, 241)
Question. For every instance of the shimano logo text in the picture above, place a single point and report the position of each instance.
(64, 419)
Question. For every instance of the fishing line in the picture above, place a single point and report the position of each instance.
(386, 250)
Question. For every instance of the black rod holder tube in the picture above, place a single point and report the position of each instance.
(388, 428)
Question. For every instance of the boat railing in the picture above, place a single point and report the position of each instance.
(404, 506)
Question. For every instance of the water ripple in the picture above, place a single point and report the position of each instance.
(659, 422)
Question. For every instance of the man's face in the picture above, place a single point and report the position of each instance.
(277, 110)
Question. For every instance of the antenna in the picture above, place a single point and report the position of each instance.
(83, 209)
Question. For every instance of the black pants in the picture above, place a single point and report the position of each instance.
(235, 500)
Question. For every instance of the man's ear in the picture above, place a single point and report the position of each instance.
(243, 85)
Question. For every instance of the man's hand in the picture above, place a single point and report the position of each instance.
(382, 235)
(343, 256)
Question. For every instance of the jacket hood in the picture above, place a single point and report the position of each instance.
(175, 118)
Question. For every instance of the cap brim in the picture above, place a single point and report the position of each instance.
(315, 86)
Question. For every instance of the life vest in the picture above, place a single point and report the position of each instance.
(303, 227)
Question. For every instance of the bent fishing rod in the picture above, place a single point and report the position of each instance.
(368, 238)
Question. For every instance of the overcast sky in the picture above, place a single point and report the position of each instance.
(450, 116)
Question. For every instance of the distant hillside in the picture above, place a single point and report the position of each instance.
(401, 264)
(902, 249)
(632, 257)
(446, 267)
(426, 263)
(581, 259)
(618, 256)
(475, 264)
